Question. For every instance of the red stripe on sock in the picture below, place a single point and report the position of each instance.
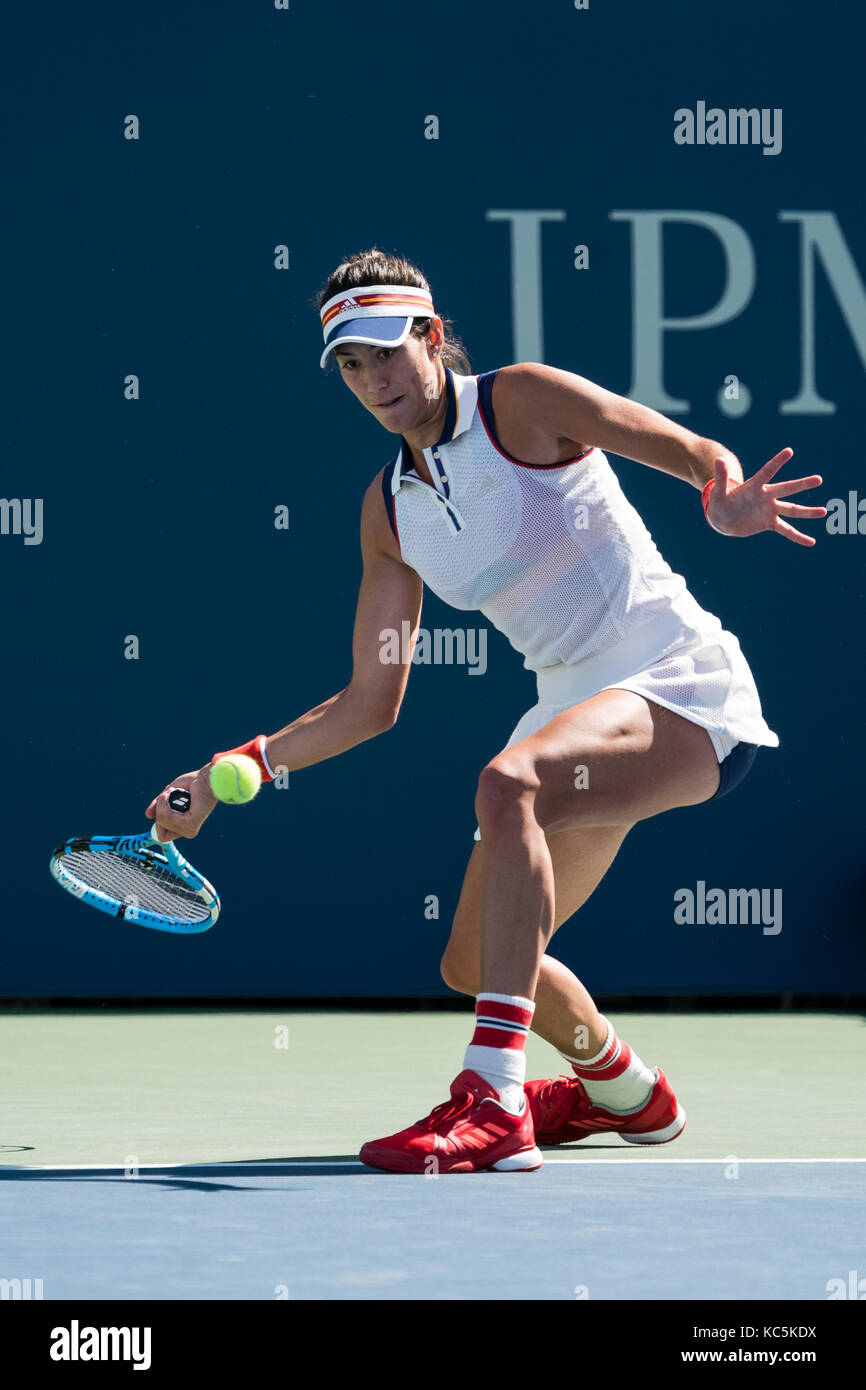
(605, 1070)
(497, 1037)
(493, 1009)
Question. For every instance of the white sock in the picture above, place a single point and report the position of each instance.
(506, 1017)
(629, 1090)
(504, 1068)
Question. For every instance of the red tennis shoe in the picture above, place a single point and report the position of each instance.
(563, 1113)
(469, 1133)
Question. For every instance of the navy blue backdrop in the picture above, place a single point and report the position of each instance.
(487, 143)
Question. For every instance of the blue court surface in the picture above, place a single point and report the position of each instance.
(180, 1154)
(578, 1228)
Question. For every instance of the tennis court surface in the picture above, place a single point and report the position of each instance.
(192, 1154)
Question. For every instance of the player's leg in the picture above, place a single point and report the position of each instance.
(639, 758)
(633, 760)
(565, 1014)
(613, 1089)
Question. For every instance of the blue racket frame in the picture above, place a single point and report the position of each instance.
(138, 847)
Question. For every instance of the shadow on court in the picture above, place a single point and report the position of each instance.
(177, 1184)
(336, 1165)
(181, 1176)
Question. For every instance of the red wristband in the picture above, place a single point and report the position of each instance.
(705, 495)
(255, 749)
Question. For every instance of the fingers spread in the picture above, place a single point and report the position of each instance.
(772, 466)
(792, 533)
(794, 509)
(794, 485)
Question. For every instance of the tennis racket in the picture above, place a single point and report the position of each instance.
(137, 878)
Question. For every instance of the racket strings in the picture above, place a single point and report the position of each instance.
(146, 883)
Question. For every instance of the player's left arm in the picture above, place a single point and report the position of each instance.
(563, 405)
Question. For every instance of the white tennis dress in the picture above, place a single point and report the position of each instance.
(558, 560)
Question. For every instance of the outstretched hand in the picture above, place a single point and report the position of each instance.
(745, 508)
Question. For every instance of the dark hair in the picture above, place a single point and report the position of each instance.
(375, 267)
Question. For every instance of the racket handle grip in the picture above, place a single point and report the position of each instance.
(178, 800)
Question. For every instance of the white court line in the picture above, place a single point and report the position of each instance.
(287, 1166)
(731, 1158)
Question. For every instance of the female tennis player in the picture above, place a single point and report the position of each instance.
(500, 498)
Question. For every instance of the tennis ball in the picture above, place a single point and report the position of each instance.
(235, 780)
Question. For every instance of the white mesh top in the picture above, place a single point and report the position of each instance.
(557, 558)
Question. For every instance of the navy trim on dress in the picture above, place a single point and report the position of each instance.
(735, 767)
(387, 475)
(451, 411)
(485, 405)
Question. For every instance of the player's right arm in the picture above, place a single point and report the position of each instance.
(390, 594)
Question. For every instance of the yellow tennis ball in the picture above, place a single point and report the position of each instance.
(235, 780)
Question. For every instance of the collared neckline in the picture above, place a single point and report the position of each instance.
(462, 392)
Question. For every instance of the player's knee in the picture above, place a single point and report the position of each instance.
(506, 793)
(458, 975)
